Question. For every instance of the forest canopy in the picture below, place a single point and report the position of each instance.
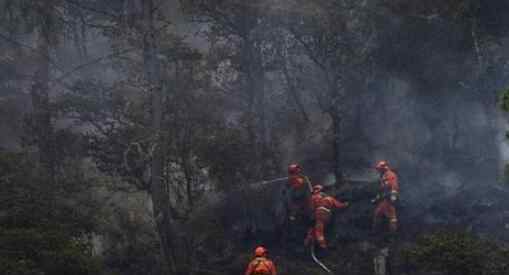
(135, 133)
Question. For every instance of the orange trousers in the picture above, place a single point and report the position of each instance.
(386, 209)
(317, 232)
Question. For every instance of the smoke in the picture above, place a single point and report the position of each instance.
(429, 111)
(432, 112)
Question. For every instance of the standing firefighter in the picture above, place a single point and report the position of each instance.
(261, 265)
(322, 206)
(387, 197)
(299, 190)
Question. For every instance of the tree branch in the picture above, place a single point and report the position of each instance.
(93, 62)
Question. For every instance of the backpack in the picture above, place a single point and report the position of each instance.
(261, 267)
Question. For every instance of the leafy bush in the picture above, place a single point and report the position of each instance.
(45, 251)
(459, 253)
(504, 100)
(41, 232)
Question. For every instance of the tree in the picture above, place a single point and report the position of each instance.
(152, 149)
(42, 24)
(338, 37)
(239, 42)
(44, 230)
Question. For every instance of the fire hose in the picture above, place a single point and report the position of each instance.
(312, 246)
(263, 182)
(310, 186)
(316, 260)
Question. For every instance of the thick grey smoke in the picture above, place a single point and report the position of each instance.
(428, 110)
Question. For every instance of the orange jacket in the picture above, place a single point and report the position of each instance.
(261, 263)
(321, 200)
(389, 183)
(297, 182)
(321, 204)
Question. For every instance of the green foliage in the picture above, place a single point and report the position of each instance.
(505, 178)
(45, 251)
(41, 232)
(458, 253)
(504, 100)
(227, 156)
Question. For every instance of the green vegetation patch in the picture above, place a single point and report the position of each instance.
(458, 253)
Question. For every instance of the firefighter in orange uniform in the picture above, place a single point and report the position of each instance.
(299, 191)
(322, 206)
(387, 197)
(261, 265)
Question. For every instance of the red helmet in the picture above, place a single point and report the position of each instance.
(382, 165)
(317, 188)
(260, 251)
(294, 169)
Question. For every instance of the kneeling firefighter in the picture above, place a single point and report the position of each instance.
(261, 265)
(322, 206)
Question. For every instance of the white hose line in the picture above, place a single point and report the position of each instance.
(315, 259)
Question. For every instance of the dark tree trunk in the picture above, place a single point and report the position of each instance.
(41, 118)
(336, 114)
(256, 120)
(158, 190)
(337, 142)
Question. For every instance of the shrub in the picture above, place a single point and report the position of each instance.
(459, 253)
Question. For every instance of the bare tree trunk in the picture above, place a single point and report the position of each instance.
(261, 113)
(247, 63)
(188, 174)
(336, 116)
(159, 192)
(43, 129)
(338, 171)
(252, 68)
(292, 90)
(477, 47)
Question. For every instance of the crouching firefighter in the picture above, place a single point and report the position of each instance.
(387, 197)
(299, 191)
(322, 206)
(261, 265)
